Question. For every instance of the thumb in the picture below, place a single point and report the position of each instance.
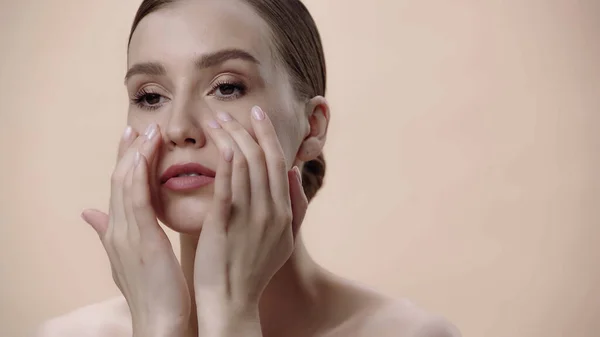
(97, 219)
(297, 198)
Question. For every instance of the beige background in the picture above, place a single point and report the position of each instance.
(463, 157)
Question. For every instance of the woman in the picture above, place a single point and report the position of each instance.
(227, 122)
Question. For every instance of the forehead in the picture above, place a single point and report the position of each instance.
(186, 29)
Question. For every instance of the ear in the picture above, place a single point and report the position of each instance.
(317, 112)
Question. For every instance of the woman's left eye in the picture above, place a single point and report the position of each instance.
(227, 91)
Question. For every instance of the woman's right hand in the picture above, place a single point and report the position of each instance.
(144, 266)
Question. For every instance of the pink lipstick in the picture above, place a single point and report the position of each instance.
(187, 177)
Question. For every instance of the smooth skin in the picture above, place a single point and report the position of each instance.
(244, 270)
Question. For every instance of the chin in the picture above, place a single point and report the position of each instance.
(185, 213)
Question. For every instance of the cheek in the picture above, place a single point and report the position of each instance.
(286, 128)
(141, 120)
(288, 133)
(138, 121)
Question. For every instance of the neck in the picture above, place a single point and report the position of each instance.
(289, 300)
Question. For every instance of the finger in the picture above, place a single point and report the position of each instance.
(298, 199)
(127, 157)
(213, 237)
(141, 202)
(118, 180)
(129, 229)
(138, 187)
(275, 160)
(240, 181)
(149, 148)
(259, 182)
(223, 194)
(97, 219)
(126, 141)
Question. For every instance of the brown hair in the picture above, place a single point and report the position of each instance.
(298, 45)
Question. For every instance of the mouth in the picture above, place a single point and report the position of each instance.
(185, 177)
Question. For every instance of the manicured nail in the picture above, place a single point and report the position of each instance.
(228, 154)
(224, 116)
(150, 131)
(258, 113)
(128, 132)
(214, 124)
(298, 174)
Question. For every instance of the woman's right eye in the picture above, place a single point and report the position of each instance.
(152, 99)
(148, 100)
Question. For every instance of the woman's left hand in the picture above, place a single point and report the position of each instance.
(249, 233)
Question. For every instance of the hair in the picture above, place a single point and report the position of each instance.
(297, 45)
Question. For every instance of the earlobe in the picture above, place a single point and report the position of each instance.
(318, 115)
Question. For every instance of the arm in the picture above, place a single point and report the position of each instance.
(244, 323)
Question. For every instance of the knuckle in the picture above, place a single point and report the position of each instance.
(262, 216)
(118, 243)
(285, 217)
(280, 163)
(235, 128)
(256, 154)
(223, 198)
(128, 184)
(241, 163)
(116, 178)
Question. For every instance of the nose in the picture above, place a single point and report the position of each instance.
(183, 128)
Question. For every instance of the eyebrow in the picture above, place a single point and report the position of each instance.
(205, 61)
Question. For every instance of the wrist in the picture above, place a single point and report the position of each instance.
(149, 332)
(158, 329)
(233, 322)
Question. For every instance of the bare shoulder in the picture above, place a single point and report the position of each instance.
(104, 319)
(368, 313)
(401, 318)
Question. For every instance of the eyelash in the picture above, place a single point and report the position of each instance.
(237, 85)
(142, 95)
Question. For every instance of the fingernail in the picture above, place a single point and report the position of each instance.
(150, 131)
(298, 174)
(258, 113)
(224, 116)
(128, 132)
(214, 124)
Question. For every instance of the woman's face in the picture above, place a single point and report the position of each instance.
(189, 61)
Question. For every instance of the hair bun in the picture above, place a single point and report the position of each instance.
(313, 174)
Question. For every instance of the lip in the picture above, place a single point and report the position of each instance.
(170, 180)
(178, 169)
